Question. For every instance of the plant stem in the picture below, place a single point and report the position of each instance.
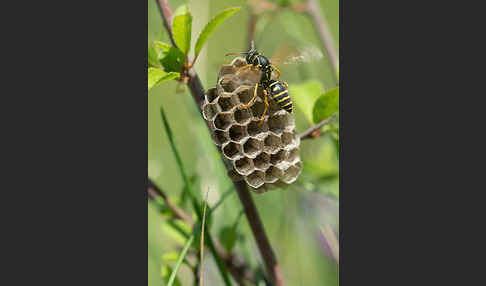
(320, 23)
(310, 133)
(259, 233)
(197, 92)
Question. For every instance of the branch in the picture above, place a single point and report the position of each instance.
(314, 11)
(154, 191)
(164, 9)
(314, 131)
(238, 268)
(259, 232)
(197, 92)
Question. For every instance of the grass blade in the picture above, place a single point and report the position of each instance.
(185, 178)
(180, 260)
(202, 240)
(211, 26)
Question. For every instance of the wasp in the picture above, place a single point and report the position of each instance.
(277, 90)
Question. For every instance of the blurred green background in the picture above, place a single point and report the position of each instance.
(293, 217)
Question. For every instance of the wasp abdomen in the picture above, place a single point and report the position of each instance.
(281, 95)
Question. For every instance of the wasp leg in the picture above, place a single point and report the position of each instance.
(244, 67)
(276, 70)
(266, 107)
(245, 106)
(286, 84)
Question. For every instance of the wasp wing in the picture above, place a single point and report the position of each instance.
(288, 55)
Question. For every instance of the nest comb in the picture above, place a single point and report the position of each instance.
(264, 156)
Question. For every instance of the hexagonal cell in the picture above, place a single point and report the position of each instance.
(257, 109)
(227, 84)
(211, 94)
(293, 155)
(291, 174)
(238, 62)
(237, 133)
(210, 110)
(252, 147)
(255, 179)
(243, 166)
(220, 137)
(254, 128)
(287, 138)
(298, 165)
(228, 102)
(244, 94)
(279, 157)
(273, 174)
(277, 123)
(262, 161)
(232, 150)
(226, 69)
(223, 121)
(272, 143)
(242, 116)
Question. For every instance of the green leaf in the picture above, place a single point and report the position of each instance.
(181, 29)
(181, 10)
(153, 60)
(211, 26)
(171, 58)
(183, 253)
(170, 256)
(157, 76)
(304, 95)
(166, 271)
(326, 105)
(229, 235)
(175, 230)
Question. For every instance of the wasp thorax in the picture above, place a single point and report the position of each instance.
(264, 154)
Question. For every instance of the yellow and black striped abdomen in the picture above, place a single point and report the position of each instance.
(281, 95)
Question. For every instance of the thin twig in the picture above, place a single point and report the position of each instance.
(331, 240)
(313, 131)
(197, 92)
(153, 191)
(164, 8)
(320, 23)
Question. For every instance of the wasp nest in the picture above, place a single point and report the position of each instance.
(265, 155)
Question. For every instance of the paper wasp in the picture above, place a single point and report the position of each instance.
(278, 90)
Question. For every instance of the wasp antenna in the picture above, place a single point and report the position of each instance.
(236, 53)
